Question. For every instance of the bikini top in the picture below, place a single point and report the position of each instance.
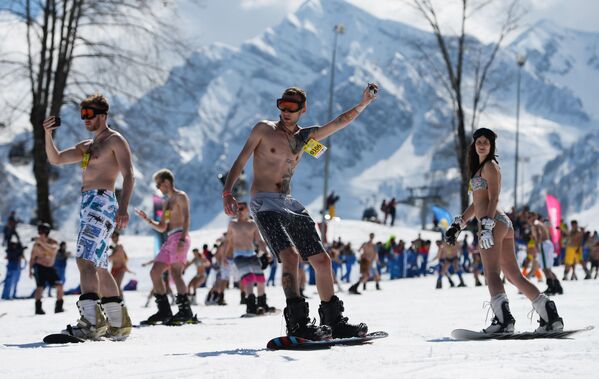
(478, 183)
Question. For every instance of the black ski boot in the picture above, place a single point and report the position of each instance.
(462, 284)
(549, 319)
(451, 283)
(243, 298)
(298, 323)
(251, 307)
(263, 305)
(58, 306)
(184, 315)
(557, 287)
(439, 284)
(497, 326)
(363, 286)
(378, 287)
(354, 289)
(164, 313)
(211, 298)
(550, 287)
(220, 300)
(331, 314)
(38, 308)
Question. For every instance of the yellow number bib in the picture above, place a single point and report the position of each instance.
(85, 160)
(315, 148)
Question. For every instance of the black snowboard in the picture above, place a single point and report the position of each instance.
(270, 313)
(193, 321)
(297, 343)
(62, 338)
(471, 335)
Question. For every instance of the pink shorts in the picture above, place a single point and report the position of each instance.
(168, 252)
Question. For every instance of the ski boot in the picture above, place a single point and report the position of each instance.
(549, 320)
(550, 290)
(251, 307)
(503, 321)
(354, 289)
(557, 287)
(164, 313)
(220, 300)
(58, 306)
(92, 322)
(439, 284)
(378, 287)
(184, 315)
(451, 283)
(262, 304)
(38, 308)
(331, 314)
(210, 298)
(243, 298)
(119, 322)
(298, 322)
(462, 284)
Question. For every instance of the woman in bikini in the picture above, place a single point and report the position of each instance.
(496, 239)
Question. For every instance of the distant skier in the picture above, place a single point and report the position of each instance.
(41, 265)
(119, 260)
(243, 238)
(368, 261)
(545, 253)
(201, 263)
(102, 159)
(497, 239)
(284, 223)
(173, 253)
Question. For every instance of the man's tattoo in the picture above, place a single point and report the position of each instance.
(285, 186)
(295, 143)
(289, 285)
(347, 116)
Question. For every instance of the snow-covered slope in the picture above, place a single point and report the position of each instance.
(196, 122)
(417, 317)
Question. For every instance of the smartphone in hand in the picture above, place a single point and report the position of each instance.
(57, 121)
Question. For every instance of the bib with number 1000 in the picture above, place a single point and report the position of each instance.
(314, 148)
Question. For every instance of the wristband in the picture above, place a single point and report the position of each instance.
(227, 193)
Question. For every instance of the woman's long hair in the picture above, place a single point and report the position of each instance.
(473, 163)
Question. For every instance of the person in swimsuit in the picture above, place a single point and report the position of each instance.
(284, 223)
(216, 295)
(574, 251)
(102, 160)
(243, 238)
(173, 253)
(496, 239)
(201, 263)
(594, 258)
(41, 265)
(119, 260)
(545, 252)
(367, 258)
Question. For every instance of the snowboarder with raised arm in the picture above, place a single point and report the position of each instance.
(284, 223)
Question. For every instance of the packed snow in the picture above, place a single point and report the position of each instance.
(418, 318)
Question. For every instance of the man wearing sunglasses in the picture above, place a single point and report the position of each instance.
(102, 159)
(283, 222)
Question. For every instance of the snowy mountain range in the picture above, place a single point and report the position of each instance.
(197, 121)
